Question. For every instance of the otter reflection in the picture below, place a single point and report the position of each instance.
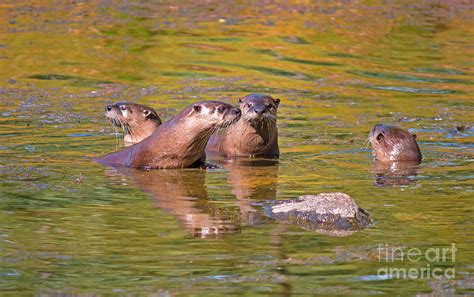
(395, 173)
(253, 181)
(183, 193)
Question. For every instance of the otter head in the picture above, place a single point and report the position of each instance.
(391, 144)
(259, 108)
(211, 115)
(128, 115)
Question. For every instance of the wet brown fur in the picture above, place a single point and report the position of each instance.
(255, 134)
(392, 144)
(180, 142)
(137, 121)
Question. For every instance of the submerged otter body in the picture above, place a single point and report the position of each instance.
(254, 135)
(393, 144)
(137, 121)
(180, 142)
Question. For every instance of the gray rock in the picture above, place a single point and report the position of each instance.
(335, 214)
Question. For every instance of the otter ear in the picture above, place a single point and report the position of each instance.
(197, 108)
(241, 100)
(277, 102)
(414, 136)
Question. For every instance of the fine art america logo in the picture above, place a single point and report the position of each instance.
(435, 256)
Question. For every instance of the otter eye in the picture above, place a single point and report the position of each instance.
(248, 105)
(268, 105)
(379, 137)
(123, 107)
(221, 109)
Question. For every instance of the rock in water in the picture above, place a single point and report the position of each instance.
(335, 214)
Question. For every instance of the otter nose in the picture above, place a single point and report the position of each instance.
(259, 110)
(108, 108)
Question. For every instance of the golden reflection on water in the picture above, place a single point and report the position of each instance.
(70, 226)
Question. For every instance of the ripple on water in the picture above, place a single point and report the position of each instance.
(221, 277)
(10, 273)
(75, 80)
(294, 60)
(410, 78)
(80, 135)
(265, 51)
(208, 47)
(374, 277)
(295, 40)
(270, 71)
(448, 144)
(439, 71)
(225, 39)
(343, 55)
(414, 90)
(310, 62)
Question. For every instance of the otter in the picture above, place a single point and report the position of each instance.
(255, 134)
(137, 121)
(393, 144)
(178, 143)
